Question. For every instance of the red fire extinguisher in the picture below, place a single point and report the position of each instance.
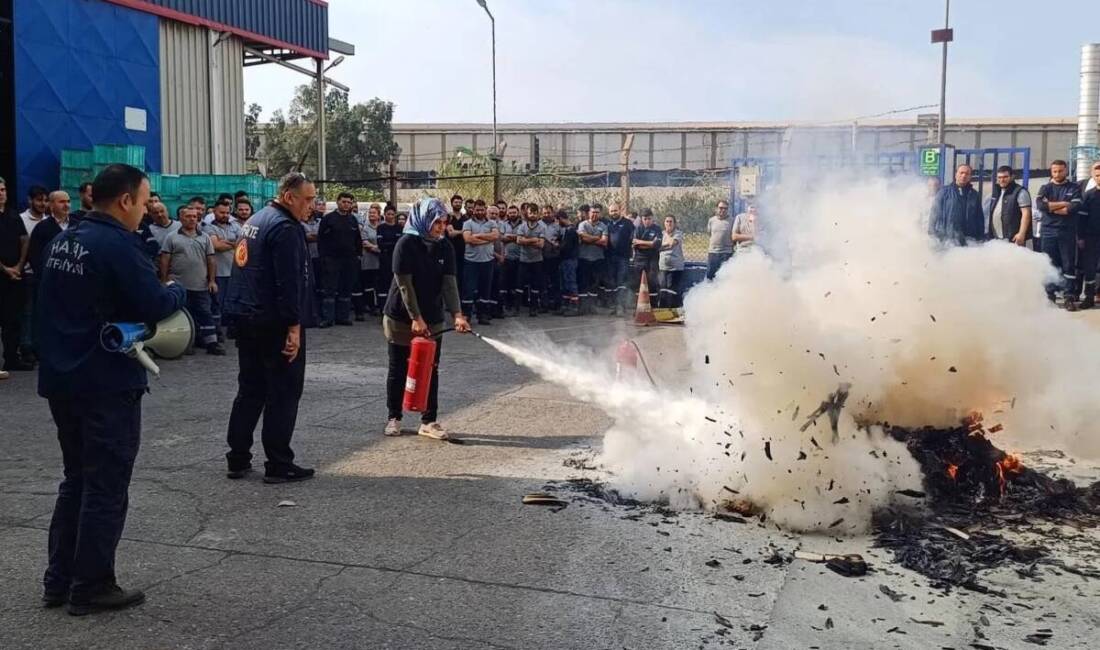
(418, 382)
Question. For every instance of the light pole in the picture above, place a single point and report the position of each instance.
(944, 36)
(495, 157)
(322, 162)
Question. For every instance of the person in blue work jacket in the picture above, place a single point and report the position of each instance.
(95, 272)
(620, 248)
(957, 216)
(1058, 202)
(269, 302)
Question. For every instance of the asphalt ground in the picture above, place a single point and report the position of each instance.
(412, 543)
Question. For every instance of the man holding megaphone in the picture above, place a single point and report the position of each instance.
(95, 273)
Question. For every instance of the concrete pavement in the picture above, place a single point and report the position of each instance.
(411, 543)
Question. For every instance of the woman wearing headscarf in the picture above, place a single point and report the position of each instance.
(423, 284)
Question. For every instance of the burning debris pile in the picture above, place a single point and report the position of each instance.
(971, 485)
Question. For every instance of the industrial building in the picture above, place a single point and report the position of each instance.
(714, 145)
(164, 74)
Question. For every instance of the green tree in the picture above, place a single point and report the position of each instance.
(358, 138)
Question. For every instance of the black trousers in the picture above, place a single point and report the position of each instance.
(529, 277)
(363, 297)
(383, 279)
(338, 282)
(395, 382)
(509, 278)
(12, 299)
(99, 436)
(1088, 258)
(551, 269)
(266, 385)
(1061, 248)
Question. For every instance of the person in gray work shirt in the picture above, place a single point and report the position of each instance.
(480, 235)
(531, 237)
(551, 260)
(590, 260)
(720, 231)
(224, 234)
(187, 257)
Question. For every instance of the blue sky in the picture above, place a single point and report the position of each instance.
(700, 60)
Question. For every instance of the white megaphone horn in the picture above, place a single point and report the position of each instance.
(168, 339)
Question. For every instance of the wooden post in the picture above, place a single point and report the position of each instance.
(624, 160)
(393, 181)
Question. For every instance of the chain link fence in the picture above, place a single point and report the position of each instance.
(690, 197)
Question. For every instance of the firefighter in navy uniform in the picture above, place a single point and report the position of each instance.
(92, 274)
(269, 303)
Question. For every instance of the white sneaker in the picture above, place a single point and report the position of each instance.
(393, 427)
(434, 430)
(4, 374)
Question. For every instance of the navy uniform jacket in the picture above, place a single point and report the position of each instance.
(957, 215)
(270, 284)
(94, 273)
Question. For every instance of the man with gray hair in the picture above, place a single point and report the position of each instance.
(58, 220)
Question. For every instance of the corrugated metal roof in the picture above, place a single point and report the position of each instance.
(611, 127)
(297, 25)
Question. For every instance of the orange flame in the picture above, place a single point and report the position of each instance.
(952, 470)
(1010, 464)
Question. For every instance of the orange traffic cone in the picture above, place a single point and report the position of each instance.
(643, 314)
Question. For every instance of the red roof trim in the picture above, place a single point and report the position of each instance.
(141, 5)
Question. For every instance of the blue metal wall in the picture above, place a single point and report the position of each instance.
(299, 24)
(78, 64)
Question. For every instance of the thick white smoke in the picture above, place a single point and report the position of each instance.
(847, 290)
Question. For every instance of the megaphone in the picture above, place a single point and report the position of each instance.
(168, 339)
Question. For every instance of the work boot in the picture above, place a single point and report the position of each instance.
(238, 472)
(1071, 303)
(484, 320)
(289, 474)
(112, 597)
(52, 598)
(361, 317)
(216, 349)
(1089, 302)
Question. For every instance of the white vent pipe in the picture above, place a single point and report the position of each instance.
(1088, 113)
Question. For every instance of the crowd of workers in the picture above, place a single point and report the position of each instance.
(1063, 222)
(510, 257)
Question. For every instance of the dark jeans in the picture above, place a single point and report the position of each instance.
(99, 435)
(715, 262)
(671, 289)
(12, 297)
(217, 298)
(529, 277)
(395, 382)
(198, 304)
(568, 272)
(339, 278)
(552, 287)
(1061, 248)
(617, 272)
(478, 284)
(652, 274)
(267, 385)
